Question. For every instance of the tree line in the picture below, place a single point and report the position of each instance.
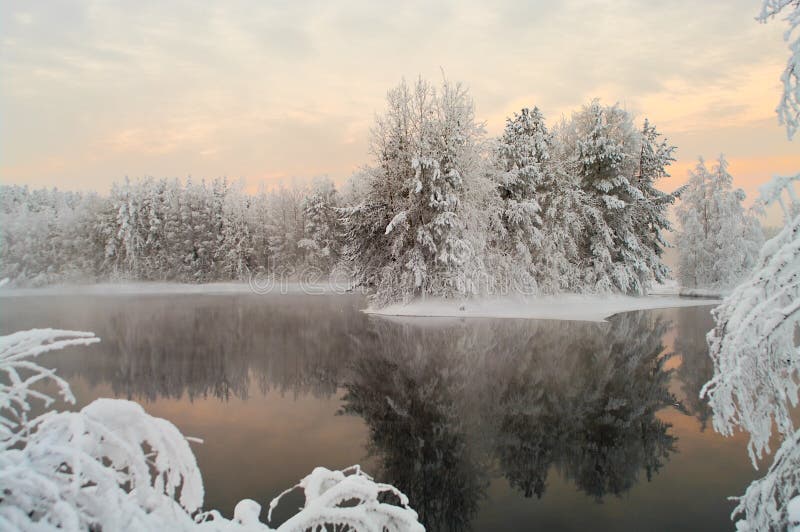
(443, 210)
(160, 229)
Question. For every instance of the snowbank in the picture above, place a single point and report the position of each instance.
(569, 307)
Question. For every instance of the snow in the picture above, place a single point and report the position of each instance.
(572, 307)
(755, 387)
(794, 514)
(260, 287)
(111, 466)
(703, 292)
(718, 240)
(669, 287)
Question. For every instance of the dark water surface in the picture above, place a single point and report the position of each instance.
(484, 424)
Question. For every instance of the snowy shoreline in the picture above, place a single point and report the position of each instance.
(568, 307)
(156, 287)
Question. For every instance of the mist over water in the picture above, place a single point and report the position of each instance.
(484, 424)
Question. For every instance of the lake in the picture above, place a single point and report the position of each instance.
(485, 424)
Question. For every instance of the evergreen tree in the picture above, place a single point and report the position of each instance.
(651, 213)
(323, 230)
(718, 241)
(414, 212)
(616, 167)
(604, 140)
(522, 156)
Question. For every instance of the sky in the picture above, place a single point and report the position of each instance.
(271, 91)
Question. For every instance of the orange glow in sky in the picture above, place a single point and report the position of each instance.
(265, 91)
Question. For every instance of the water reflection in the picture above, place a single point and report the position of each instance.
(410, 384)
(585, 404)
(443, 403)
(202, 347)
(696, 367)
(449, 406)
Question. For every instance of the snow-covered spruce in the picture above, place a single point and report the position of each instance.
(111, 466)
(159, 229)
(442, 212)
(416, 229)
(624, 215)
(718, 241)
(757, 365)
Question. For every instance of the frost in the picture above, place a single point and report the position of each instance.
(772, 502)
(111, 466)
(756, 359)
(397, 220)
(757, 368)
(789, 107)
(718, 241)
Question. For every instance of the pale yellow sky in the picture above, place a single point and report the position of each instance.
(93, 91)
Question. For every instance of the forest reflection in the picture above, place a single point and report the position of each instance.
(449, 404)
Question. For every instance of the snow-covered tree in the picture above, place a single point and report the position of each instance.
(565, 214)
(603, 138)
(522, 156)
(718, 241)
(234, 251)
(409, 234)
(757, 365)
(651, 213)
(285, 229)
(48, 235)
(616, 167)
(323, 231)
(111, 466)
(789, 107)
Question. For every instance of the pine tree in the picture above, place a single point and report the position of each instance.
(625, 214)
(234, 251)
(651, 213)
(718, 241)
(323, 227)
(566, 215)
(522, 156)
(427, 146)
(604, 138)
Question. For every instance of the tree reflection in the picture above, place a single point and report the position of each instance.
(584, 401)
(407, 385)
(448, 404)
(444, 402)
(696, 367)
(206, 346)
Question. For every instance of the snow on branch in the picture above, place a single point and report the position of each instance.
(757, 369)
(21, 374)
(772, 192)
(756, 361)
(111, 466)
(400, 218)
(789, 107)
(768, 503)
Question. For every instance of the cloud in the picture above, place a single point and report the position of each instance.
(250, 88)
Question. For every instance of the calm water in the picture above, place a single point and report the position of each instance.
(484, 424)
